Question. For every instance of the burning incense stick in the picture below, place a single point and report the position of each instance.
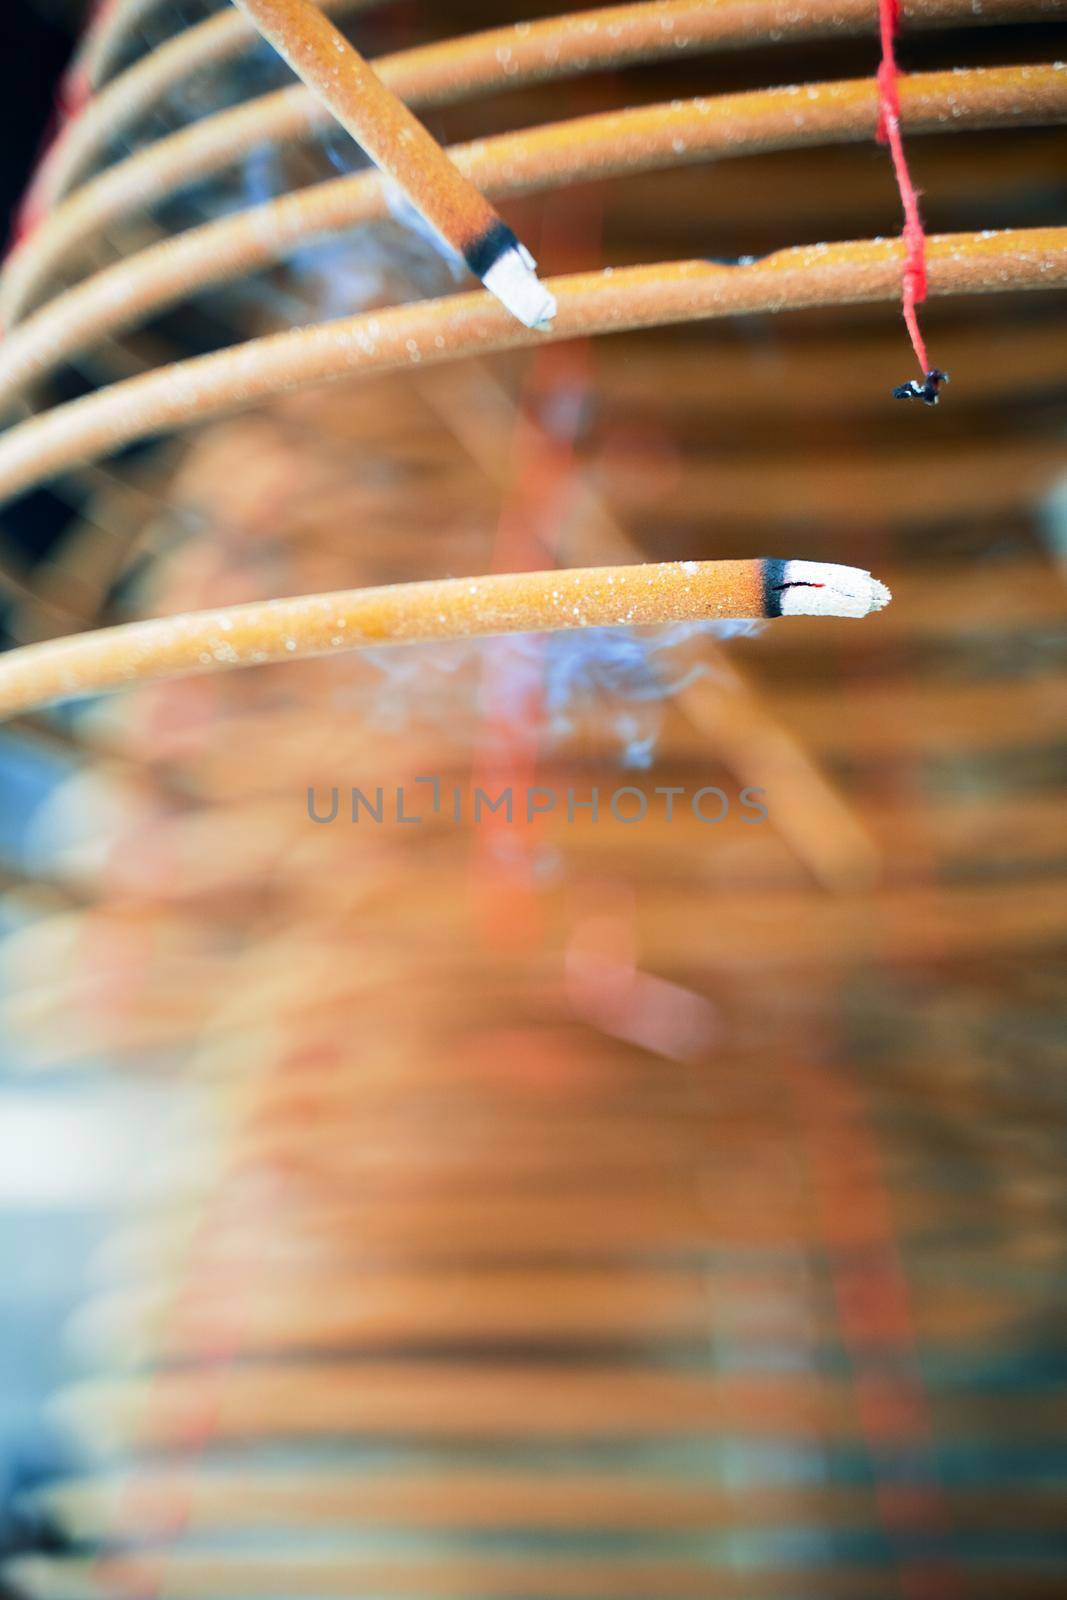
(450, 608)
(399, 144)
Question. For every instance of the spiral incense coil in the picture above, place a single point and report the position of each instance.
(606, 145)
(611, 1130)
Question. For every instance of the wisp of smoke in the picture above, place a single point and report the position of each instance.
(620, 677)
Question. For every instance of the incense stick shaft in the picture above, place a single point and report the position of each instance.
(397, 142)
(453, 608)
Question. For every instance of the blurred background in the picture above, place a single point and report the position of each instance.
(575, 1206)
(70, 1145)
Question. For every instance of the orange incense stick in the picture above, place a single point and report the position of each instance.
(399, 144)
(448, 608)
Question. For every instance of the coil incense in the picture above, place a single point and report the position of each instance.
(452, 608)
(637, 139)
(188, 392)
(435, 1364)
(457, 70)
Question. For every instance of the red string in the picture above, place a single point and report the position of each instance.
(913, 282)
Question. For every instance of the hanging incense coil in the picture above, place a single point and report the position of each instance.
(628, 1194)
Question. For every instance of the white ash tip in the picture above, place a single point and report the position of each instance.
(515, 283)
(880, 595)
(824, 589)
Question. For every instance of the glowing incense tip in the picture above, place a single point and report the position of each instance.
(514, 281)
(823, 589)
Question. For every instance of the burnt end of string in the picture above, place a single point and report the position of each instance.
(927, 391)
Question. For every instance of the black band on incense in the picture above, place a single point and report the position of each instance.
(487, 251)
(774, 582)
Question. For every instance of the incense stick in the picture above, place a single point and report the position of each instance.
(399, 144)
(449, 608)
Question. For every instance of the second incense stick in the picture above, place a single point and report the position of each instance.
(641, 595)
(397, 142)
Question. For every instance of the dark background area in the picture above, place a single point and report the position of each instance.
(35, 45)
(34, 49)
